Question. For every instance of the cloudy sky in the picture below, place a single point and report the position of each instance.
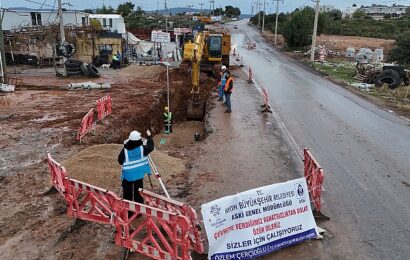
(245, 5)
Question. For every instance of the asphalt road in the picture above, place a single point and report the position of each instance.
(364, 150)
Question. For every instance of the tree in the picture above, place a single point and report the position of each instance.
(387, 16)
(298, 30)
(139, 11)
(219, 11)
(359, 14)
(408, 11)
(125, 9)
(335, 15)
(231, 11)
(88, 11)
(401, 53)
(105, 10)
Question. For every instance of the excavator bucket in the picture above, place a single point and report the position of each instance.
(196, 110)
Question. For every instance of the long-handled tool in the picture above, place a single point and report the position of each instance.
(155, 170)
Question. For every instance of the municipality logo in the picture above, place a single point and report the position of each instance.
(300, 190)
(215, 210)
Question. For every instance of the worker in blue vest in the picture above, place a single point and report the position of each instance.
(223, 82)
(135, 164)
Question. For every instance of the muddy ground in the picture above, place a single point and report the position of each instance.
(34, 121)
(237, 151)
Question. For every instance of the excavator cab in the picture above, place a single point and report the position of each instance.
(215, 47)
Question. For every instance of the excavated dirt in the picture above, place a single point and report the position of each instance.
(98, 166)
(34, 121)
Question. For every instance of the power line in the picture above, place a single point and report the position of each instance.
(53, 8)
(38, 3)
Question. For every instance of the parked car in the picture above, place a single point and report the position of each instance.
(235, 27)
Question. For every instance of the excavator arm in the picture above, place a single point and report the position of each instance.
(199, 45)
(205, 49)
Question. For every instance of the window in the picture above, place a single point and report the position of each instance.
(104, 22)
(83, 21)
(39, 19)
(35, 19)
(110, 22)
(105, 49)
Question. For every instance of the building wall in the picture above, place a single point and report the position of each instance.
(14, 20)
(326, 8)
(378, 12)
(84, 49)
(117, 22)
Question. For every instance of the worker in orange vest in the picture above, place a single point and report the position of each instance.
(228, 90)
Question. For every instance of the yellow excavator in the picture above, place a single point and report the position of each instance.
(207, 52)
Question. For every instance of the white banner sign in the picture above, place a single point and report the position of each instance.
(216, 18)
(179, 31)
(159, 36)
(259, 221)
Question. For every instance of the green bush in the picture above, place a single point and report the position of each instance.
(298, 30)
(401, 53)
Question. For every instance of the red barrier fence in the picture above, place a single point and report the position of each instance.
(314, 177)
(58, 174)
(250, 75)
(104, 107)
(161, 202)
(163, 229)
(86, 124)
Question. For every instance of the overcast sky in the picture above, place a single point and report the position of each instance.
(244, 5)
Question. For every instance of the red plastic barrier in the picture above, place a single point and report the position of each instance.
(166, 232)
(156, 233)
(314, 177)
(86, 124)
(104, 107)
(88, 202)
(265, 97)
(161, 202)
(58, 174)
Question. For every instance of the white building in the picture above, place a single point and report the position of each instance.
(349, 11)
(326, 8)
(110, 22)
(24, 17)
(378, 12)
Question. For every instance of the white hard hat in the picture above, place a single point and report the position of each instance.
(134, 136)
(223, 67)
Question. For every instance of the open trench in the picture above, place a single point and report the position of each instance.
(34, 121)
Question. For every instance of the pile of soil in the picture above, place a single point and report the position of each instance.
(341, 43)
(98, 165)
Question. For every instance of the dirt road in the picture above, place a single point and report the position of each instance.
(364, 150)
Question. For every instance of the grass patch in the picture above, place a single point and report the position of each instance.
(339, 71)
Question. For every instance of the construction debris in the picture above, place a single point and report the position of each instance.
(88, 85)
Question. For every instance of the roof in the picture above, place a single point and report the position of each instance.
(101, 16)
(29, 10)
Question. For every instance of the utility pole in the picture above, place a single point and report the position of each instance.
(276, 22)
(201, 4)
(263, 19)
(166, 15)
(211, 6)
(252, 7)
(312, 54)
(3, 55)
(259, 12)
(62, 32)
